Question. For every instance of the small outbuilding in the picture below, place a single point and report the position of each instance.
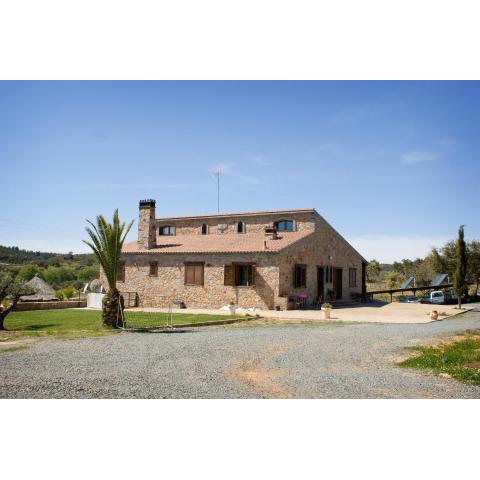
(43, 291)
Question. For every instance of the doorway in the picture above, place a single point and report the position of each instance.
(321, 284)
(337, 283)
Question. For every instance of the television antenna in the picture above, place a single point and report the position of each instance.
(216, 173)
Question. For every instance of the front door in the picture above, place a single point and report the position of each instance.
(320, 283)
(337, 283)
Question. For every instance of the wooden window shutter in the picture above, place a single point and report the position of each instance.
(189, 274)
(198, 280)
(254, 275)
(121, 272)
(229, 275)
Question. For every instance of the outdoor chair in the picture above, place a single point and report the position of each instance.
(302, 300)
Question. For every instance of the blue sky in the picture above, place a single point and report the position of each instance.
(392, 165)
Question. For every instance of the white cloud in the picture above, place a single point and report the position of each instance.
(260, 160)
(446, 142)
(246, 178)
(419, 156)
(389, 248)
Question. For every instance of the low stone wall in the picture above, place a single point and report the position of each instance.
(24, 306)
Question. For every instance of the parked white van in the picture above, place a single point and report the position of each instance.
(438, 297)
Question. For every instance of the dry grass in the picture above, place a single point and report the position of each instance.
(264, 381)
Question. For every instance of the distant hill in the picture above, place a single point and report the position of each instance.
(17, 256)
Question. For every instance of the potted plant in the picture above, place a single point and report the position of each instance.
(231, 307)
(326, 308)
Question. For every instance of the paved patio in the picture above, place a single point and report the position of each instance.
(369, 313)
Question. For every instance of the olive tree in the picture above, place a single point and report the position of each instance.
(11, 288)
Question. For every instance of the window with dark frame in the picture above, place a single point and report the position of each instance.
(166, 230)
(245, 275)
(352, 275)
(194, 273)
(300, 276)
(240, 227)
(284, 225)
(153, 269)
(204, 229)
(121, 272)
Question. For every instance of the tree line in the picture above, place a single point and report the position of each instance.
(58, 270)
(439, 260)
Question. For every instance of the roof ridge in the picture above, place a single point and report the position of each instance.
(233, 214)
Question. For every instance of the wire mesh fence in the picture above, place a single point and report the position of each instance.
(140, 318)
(167, 317)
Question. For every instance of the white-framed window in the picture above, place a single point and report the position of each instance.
(166, 230)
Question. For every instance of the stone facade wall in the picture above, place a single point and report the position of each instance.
(170, 281)
(324, 248)
(253, 223)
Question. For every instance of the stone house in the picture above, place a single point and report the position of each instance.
(252, 259)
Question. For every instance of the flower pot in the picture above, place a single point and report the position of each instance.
(326, 313)
(232, 309)
(434, 315)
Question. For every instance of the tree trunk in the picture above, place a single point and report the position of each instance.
(459, 301)
(112, 309)
(4, 314)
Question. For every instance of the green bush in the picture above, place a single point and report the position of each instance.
(60, 295)
(87, 274)
(69, 292)
(27, 272)
(57, 275)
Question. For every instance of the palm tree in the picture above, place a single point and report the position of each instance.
(106, 242)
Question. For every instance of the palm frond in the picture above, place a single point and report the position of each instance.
(106, 241)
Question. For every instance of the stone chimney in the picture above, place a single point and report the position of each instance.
(147, 234)
(271, 233)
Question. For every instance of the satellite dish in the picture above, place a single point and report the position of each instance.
(222, 227)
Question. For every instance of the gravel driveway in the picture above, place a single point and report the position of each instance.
(242, 361)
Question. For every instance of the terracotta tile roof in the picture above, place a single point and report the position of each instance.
(239, 214)
(218, 243)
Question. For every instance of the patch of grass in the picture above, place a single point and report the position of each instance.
(71, 323)
(158, 319)
(63, 323)
(459, 358)
(13, 349)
